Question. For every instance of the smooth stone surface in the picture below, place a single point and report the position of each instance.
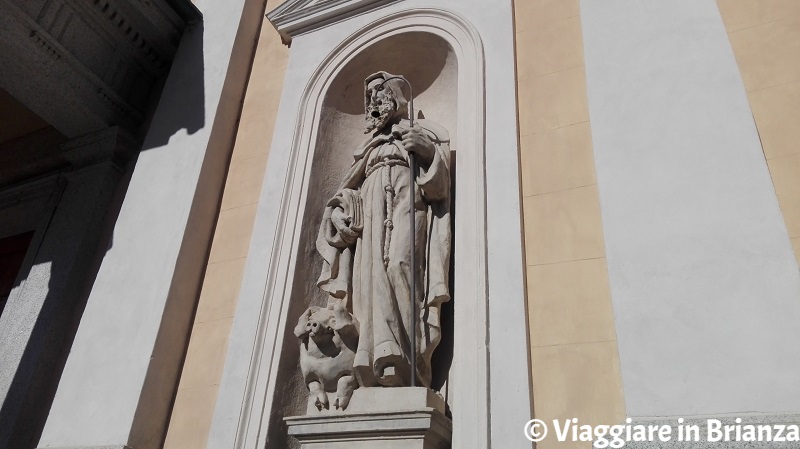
(392, 418)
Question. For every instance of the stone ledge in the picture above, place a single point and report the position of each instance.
(406, 417)
(368, 425)
(91, 447)
(381, 400)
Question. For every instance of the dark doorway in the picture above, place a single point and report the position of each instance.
(12, 254)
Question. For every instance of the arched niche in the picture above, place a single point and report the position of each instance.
(441, 54)
(430, 65)
(425, 59)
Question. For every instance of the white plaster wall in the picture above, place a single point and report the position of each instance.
(508, 370)
(704, 284)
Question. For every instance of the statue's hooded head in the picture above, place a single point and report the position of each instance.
(384, 101)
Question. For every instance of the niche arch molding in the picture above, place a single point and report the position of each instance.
(248, 388)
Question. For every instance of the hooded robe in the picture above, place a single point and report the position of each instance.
(366, 266)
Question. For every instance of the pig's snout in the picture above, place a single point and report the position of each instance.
(316, 328)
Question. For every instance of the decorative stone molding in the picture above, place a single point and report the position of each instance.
(27, 193)
(101, 58)
(400, 418)
(46, 47)
(136, 37)
(249, 384)
(299, 16)
(109, 145)
(118, 105)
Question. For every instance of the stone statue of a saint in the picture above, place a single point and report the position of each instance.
(364, 239)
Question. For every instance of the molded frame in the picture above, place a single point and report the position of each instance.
(248, 387)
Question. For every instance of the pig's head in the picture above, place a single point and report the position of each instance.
(316, 324)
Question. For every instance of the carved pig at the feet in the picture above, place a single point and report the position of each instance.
(329, 338)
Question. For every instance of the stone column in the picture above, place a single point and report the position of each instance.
(67, 213)
(119, 381)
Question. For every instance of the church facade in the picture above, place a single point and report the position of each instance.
(202, 247)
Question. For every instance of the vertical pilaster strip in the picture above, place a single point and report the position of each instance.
(575, 367)
(202, 370)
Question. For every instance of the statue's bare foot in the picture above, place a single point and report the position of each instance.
(317, 395)
(344, 391)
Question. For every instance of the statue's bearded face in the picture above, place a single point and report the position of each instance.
(381, 105)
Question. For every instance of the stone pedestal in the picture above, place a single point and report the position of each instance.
(389, 418)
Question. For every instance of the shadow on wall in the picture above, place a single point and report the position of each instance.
(181, 104)
(85, 219)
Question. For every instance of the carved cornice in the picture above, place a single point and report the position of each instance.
(41, 41)
(301, 16)
(27, 193)
(127, 29)
(86, 64)
(109, 145)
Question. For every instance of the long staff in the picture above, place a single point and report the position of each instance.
(412, 175)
